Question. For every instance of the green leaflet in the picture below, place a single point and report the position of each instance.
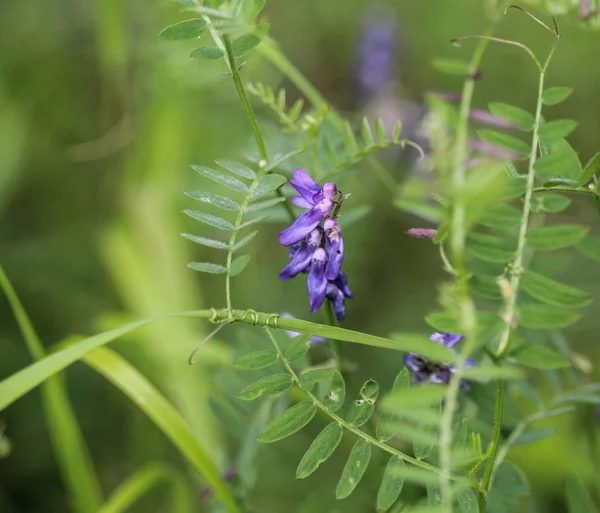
(213, 199)
(261, 205)
(501, 216)
(504, 141)
(242, 242)
(562, 162)
(556, 95)
(554, 131)
(552, 203)
(590, 247)
(311, 377)
(538, 356)
(354, 469)
(553, 292)
(221, 178)
(209, 53)
(467, 501)
(533, 435)
(510, 479)
(590, 169)
(450, 321)
(210, 243)
(521, 118)
(298, 347)
(246, 43)
(391, 483)
(578, 498)
(320, 450)
(487, 373)
(268, 183)
(207, 267)
(539, 317)
(270, 385)
(423, 449)
(490, 248)
(209, 219)
(360, 412)
(288, 423)
(334, 400)
(237, 169)
(548, 238)
(486, 287)
(239, 264)
(188, 29)
(257, 360)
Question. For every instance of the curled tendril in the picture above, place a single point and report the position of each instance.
(275, 318)
(215, 318)
(554, 31)
(253, 316)
(412, 144)
(191, 360)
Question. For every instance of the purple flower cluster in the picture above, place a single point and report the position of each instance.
(424, 370)
(316, 244)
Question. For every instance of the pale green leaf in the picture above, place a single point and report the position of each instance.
(269, 385)
(320, 450)
(248, 42)
(521, 118)
(467, 501)
(538, 356)
(211, 243)
(370, 390)
(553, 292)
(238, 265)
(380, 131)
(268, 183)
(187, 29)
(590, 169)
(554, 131)
(562, 162)
(334, 400)
(280, 159)
(391, 483)
(552, 203)
(578, 498)
(261, 205)
(221, 178)
(423, 449)
(298, 347)
(367, 133)
(486, 287)
(237, 169)
(486, 373)
(547, 238)
(538, 316)
(490, 248)
(207, 53)
(505, 141)
(354, 469)
(501, 216)
(360, 412)
(510, 479)
(311, 377)
(213, 199)
(209, 219)
(242, 242)
(533, 435)
(257, 360)
(289, 422)
(590, 247)
(207, 267)
(556, 95)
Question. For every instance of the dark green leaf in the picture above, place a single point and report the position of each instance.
(555, 95)
(320, 450)
(289, 422)
(554, 131)
(590, 169)
(547, 238)
(246, 43)
(211, 243)
(513, 188)
(240, 244)
(467, 501)
(562, 161)
(391, 483)
(268, 183)
(590, 247)
(354, 470)
(213, 199)
(434, 497)
(385, 424)
(222, 178)
(310, 378)
(207, 267)
(237, 169)
(538, 317)
(538, 356)
(500, 502)
(207, 53)
(257, 360)
(336, 396)
(490, 248)
(521, 118)
(423, 449)
(238, 265)
(360, 412)
(534, 435)
(451, 66)
(298, 347)
(187, 29)
(209, 219)
(270, 385)
(501, 216)
(578, 498)
(510, 479)
(261, 205)
(486, 287)
(370, 390)
(505, 141)
(552, 203)
(552, 292)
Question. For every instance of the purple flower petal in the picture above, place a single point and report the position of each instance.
(302, 257)
(328, 191)
(305, 185)
(341, 282)
(445, 338)
(305, 223)
(487, 118)
(337, 298)
(335, 248)
(317, 283)
(299, 201)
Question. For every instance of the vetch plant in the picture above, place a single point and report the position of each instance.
(440, 438)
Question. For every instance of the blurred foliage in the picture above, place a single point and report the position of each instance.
(99, 121)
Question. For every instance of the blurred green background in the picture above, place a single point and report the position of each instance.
(99, 121)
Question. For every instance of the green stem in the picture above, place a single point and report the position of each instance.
(487, 476)
(358, 432)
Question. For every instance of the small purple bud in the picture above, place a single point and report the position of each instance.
(305, 223)
(335, 247)
(317, 282)
(422, 233)
(328, 191)
(305, 185)
(302, 257)
(487, 118)
(492, 150)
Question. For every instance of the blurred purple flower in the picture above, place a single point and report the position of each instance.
(321, 253)
(314, 341)
(424, 370)
(421, 233)
(492, 150)
(487, 118)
